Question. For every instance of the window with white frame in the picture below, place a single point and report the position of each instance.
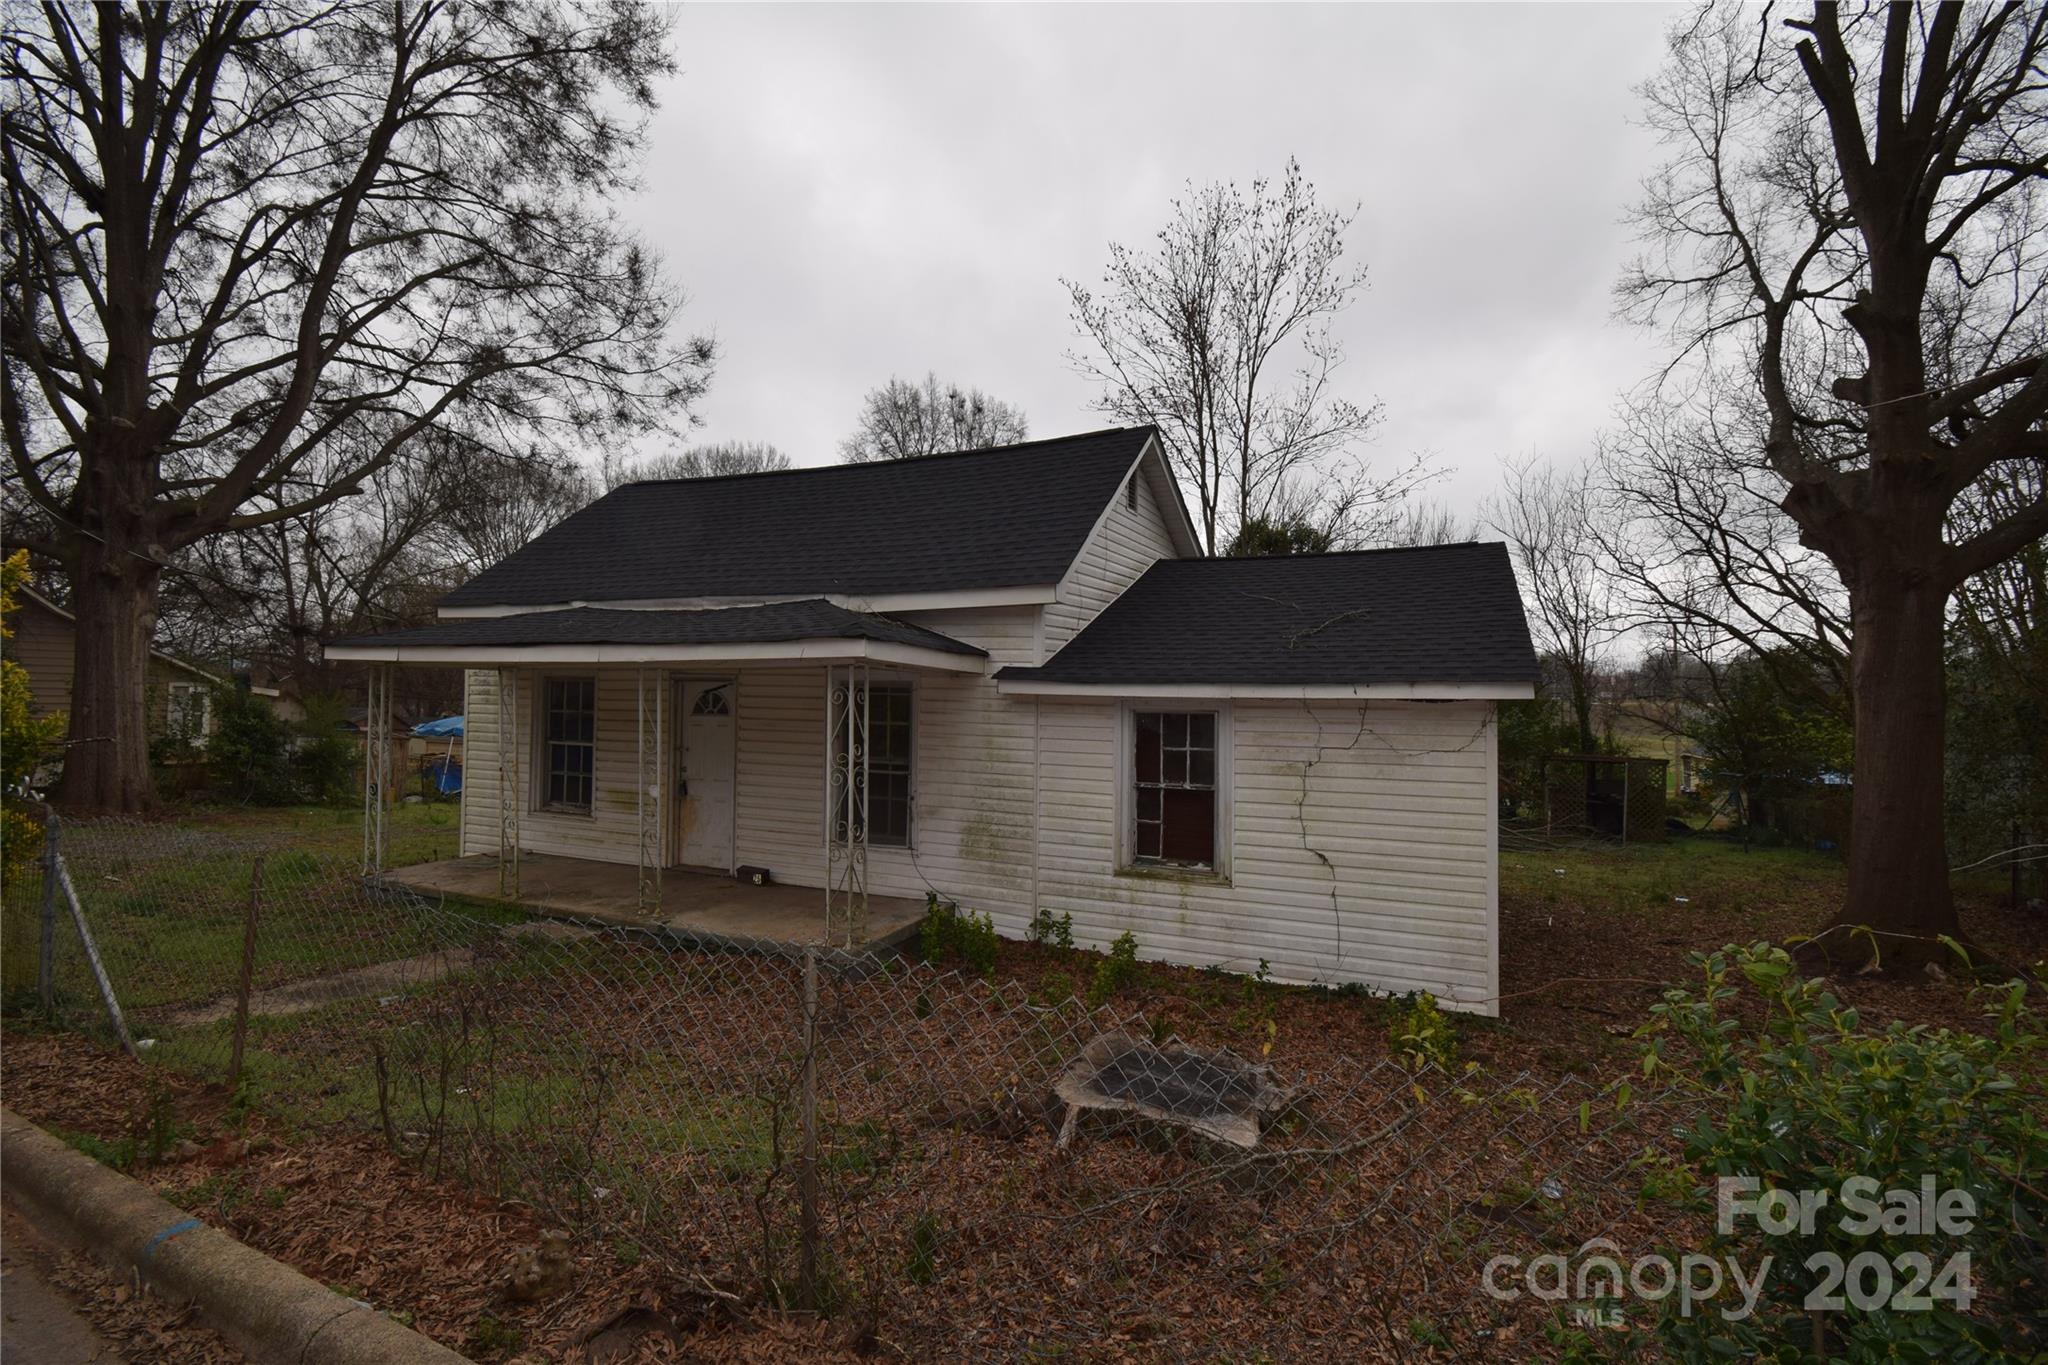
(1175, 806)
(568, 748)
(889, 760)
(186, 711)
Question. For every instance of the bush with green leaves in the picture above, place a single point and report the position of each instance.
(326, 759)
(1116, 970)
(1797, 1093)
(948, 930)
(1051, 931)
(249, 753)
(1422, 1035)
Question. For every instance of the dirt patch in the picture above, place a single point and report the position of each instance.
(339, 1207)
(300, 997)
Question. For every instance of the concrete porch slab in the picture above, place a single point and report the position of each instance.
(700, 905)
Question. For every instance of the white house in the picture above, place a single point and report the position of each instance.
(1005, 676)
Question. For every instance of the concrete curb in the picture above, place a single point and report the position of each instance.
(270, 1311)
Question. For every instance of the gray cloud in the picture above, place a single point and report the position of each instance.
(853, 191)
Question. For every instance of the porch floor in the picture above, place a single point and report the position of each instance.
(704, 905)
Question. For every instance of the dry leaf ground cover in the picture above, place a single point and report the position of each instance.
(406, 1147)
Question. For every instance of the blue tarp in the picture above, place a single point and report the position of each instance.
(443, 728)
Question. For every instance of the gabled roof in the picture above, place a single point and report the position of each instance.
(1446, 618)
(1012, 516)
(808, 629)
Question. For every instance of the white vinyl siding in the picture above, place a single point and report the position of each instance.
(611, 829)
(1128, 542)
(1402, 809)
(1398, 797)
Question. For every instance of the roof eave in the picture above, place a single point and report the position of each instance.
(823, 649)
(1275, 691)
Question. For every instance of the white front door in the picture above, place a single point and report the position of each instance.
(704, 787)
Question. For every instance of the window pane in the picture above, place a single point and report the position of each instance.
(889, 757)
(1148, 839)
(1175, 768)
(1202, 768)
(1202, 730)
(1148, 803)
(1148, 746)
(1175, 730)
(569, 734)
(1189, 830)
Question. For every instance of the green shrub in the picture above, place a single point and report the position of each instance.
(249, 753)
(946, 931)
(325, 762)
(1115, 971)
(1051, 932)
(1798, 1096)
(1423, 1035)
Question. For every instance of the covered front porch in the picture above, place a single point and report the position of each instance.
(603, 777)
(701, 906)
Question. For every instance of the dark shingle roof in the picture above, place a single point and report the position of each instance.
(1440, 614)
(815, 619)
(1009, 517)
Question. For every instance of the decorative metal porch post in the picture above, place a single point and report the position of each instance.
(846, 805)
(376, 766)
(509, 796)
(652, 692)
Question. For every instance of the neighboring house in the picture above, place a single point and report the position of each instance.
(180, 696)
(1016, 661)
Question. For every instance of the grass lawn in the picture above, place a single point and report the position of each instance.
(1586, 933)
(417, 833)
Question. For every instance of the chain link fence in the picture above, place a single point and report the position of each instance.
(951, 1167)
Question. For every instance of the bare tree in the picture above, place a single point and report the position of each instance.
(1546, 516)
(1421, 523)
(905, 418)
(713, 460)
(1221, 337)
(1850, 221)
(1702, 553)
(242, 235)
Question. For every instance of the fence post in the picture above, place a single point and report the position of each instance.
(1625, 812)
(248, 971)
(807, 1174)
(46, 954)
(92, 960)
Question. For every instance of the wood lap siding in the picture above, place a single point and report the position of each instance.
(1403, 811)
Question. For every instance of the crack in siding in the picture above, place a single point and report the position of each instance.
(1322, 751)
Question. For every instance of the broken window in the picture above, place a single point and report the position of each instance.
(1174, 788)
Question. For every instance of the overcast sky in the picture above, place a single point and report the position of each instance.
(850, 192)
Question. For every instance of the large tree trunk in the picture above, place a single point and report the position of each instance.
(106, 762)
(1898, 857)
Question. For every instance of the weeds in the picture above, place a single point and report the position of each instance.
(1115, 971)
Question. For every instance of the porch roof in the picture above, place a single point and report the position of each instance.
(813, 629)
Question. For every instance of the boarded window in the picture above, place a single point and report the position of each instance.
(888, 767)
(1174, 788)
(568, 743)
